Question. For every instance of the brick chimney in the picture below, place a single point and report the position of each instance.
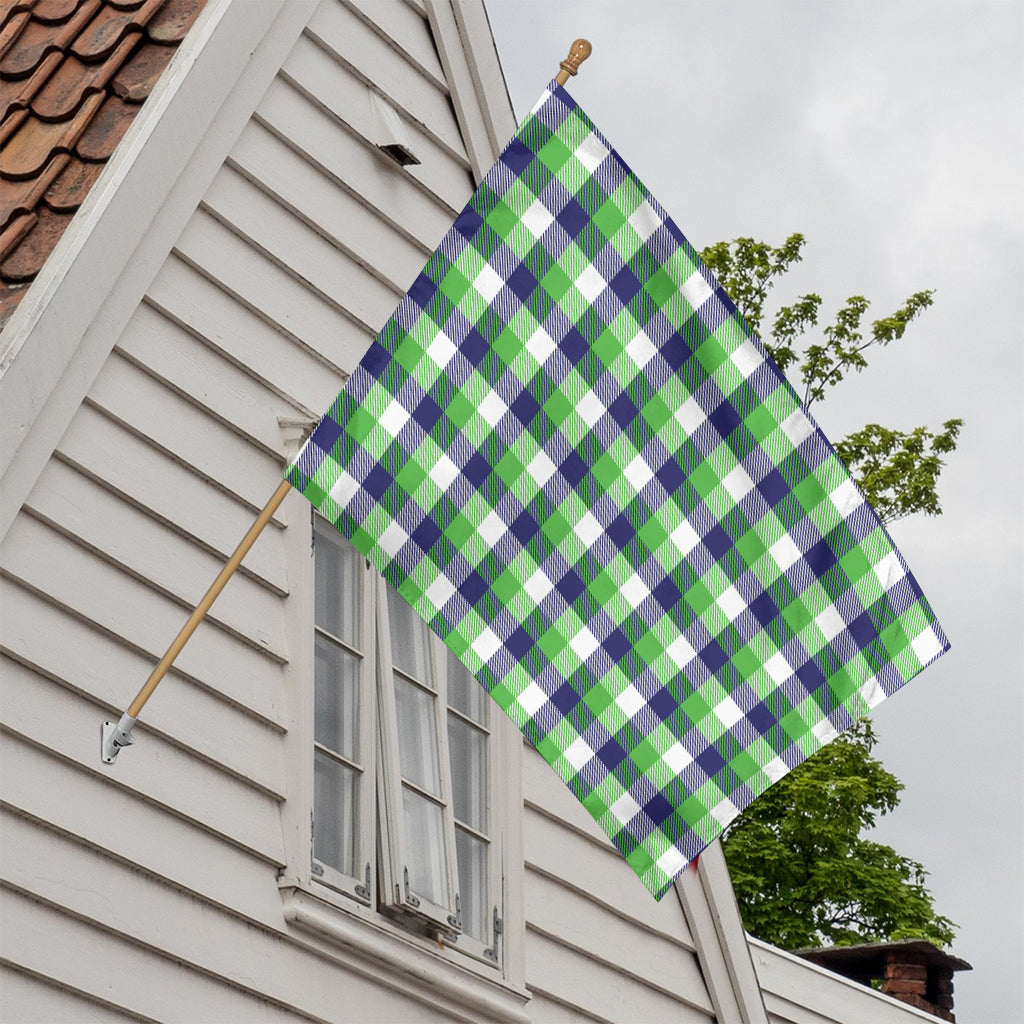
(912, 970)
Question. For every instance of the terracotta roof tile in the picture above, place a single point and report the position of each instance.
(38, 39)
(54, 11)
(19, 94)
(12, 235)
(73, 184)
(28, 150)
(11, 124)
(28, 258)
(135, 81)
(109, 27)
(69, 84)
(106, 129)
(22, 196)
(12, 27)
(8, 8)
(72, 77)
(173, 20)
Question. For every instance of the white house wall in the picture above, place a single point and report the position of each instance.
(149, 891)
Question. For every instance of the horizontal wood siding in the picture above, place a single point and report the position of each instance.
(34, 1000)
(596, 939)
(149, 891)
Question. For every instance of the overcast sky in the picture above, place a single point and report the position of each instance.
(889, 133)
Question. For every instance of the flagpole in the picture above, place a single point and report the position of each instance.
(578, 53)
(114, 737)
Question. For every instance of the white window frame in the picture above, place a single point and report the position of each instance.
(396, 849)
(358, 886)
(502, 957)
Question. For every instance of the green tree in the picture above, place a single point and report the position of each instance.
(803, 872)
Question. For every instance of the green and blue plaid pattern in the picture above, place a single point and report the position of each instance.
(567, 450)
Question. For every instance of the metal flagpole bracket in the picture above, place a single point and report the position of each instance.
(114, 737)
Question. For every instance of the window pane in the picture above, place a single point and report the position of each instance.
(335, 812)
(417, 736)
(338, 570)
(409, 639)
(424, 836)
(468, 750)
(472, 858)
(465, 693)
(336, 713)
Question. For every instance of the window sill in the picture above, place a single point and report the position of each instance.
(408, 966)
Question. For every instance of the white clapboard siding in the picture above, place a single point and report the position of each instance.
(546, 1009)
(581, 895)
(168, 491)
(313, 80)
(632, 946)
(343, 217)
(177, 427)
(77, 955)
(198, 374)
(240, 953)
(601, 989)
(414, 206)
(289, 188)
(31, 1000)
(37, 710)
(246, 958)
(367, 54)
(89, 515)
(273, 291)
(65, 799)
(407, 32)
(282, 237)
(195, 303)
(90, 588)
(86, 662)
(562, 840)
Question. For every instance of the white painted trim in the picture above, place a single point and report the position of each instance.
(485, 66)
(65, 326)
(768, 959)
(708, 901)
(400, 964)
(509, 746)
(478, 93)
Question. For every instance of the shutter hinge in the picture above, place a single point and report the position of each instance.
(412, 900)
(363, 891)
(492, 953)
(455, 920)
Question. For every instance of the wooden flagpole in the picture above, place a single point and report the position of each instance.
(114, 737)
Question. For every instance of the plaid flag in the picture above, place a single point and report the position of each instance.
(569, 453)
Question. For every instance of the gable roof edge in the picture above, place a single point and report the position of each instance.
(709, 904)
(57, 340)
(470, 61)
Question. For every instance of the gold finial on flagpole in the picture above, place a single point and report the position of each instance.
(578, 53)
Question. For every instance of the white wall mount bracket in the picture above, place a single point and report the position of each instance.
(114, 737)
